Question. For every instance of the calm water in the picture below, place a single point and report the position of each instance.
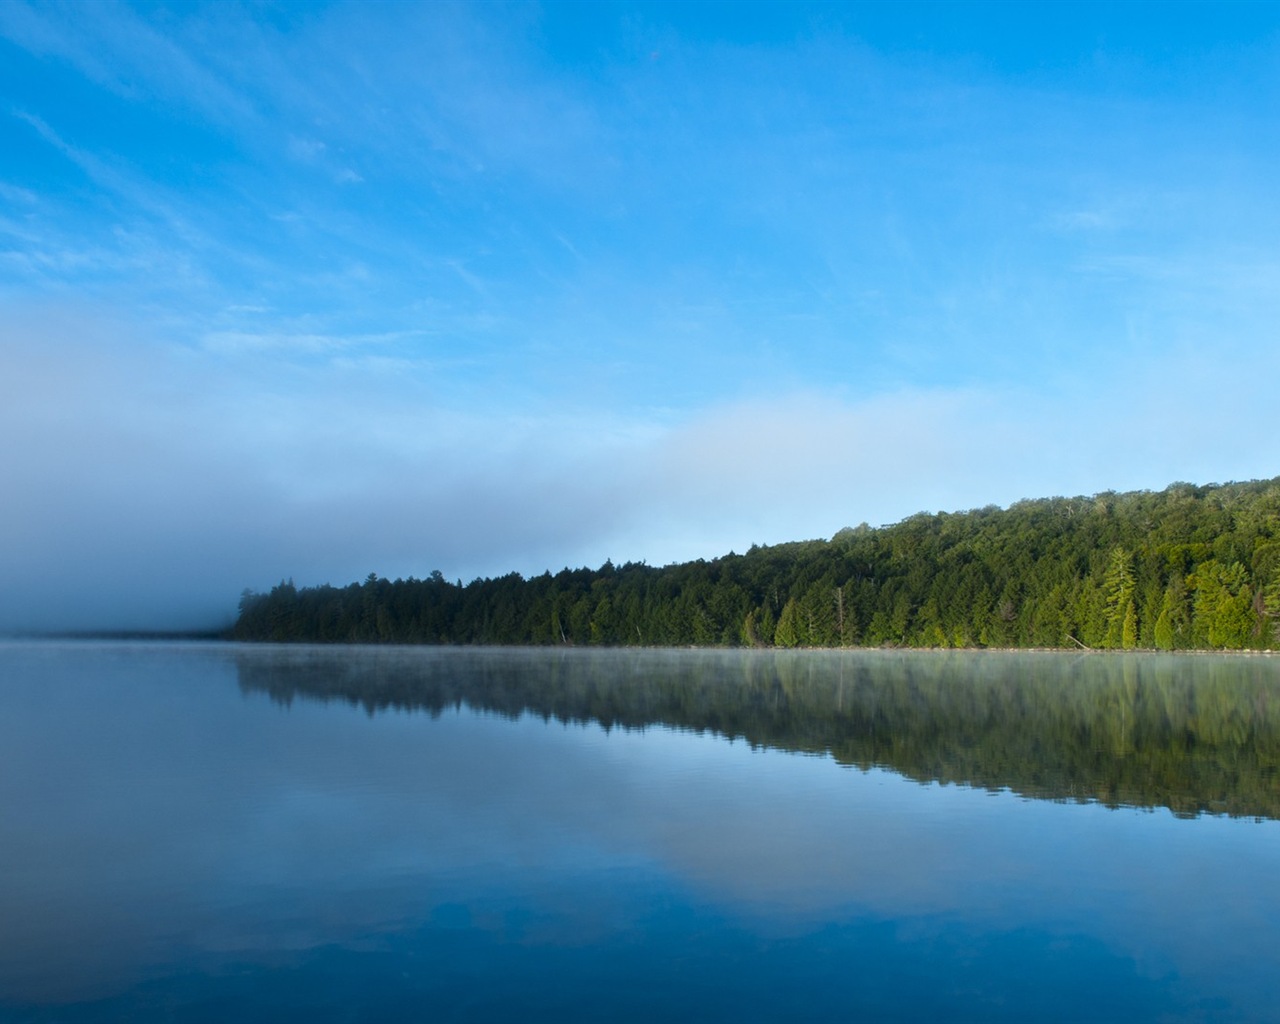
(214, 833)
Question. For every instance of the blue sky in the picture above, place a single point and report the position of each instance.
(319, 290)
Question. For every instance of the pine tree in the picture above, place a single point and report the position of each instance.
(1118, 586)
(1164, 628)
(788, 632)
(767, 626)
(1129, 635)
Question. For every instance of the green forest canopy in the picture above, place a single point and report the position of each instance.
(1185, 568)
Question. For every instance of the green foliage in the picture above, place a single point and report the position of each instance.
(1188, 567)
(1224, 605)
(1164, 631)
(788, 632)
(1118, 588)
(1129, 631)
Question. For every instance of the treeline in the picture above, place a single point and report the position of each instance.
(1185, 568)
(1194, 736)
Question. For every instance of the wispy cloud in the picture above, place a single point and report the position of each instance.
(236, 342)
(18, 196)
(1085, 220)
(113, 46)
(306, 149)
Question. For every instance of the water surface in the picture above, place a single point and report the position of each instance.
(213, 832)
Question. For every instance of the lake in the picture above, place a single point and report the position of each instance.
(210, 832)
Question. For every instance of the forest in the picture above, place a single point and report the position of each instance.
(1187, 568)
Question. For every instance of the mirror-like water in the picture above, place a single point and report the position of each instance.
(216, 832)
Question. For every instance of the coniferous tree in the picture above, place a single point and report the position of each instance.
(787, 633)
(1164, 636)
(1129, 633)
(1118, 588)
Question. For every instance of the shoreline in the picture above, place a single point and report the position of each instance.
(219, 638)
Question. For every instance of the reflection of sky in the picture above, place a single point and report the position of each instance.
(151, 812)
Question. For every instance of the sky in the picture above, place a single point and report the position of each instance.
(311, 291)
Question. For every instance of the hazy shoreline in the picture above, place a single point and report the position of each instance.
(220, 638)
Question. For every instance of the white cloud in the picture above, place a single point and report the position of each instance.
(306, 150)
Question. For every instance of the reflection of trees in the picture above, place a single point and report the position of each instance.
(1191, 734)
